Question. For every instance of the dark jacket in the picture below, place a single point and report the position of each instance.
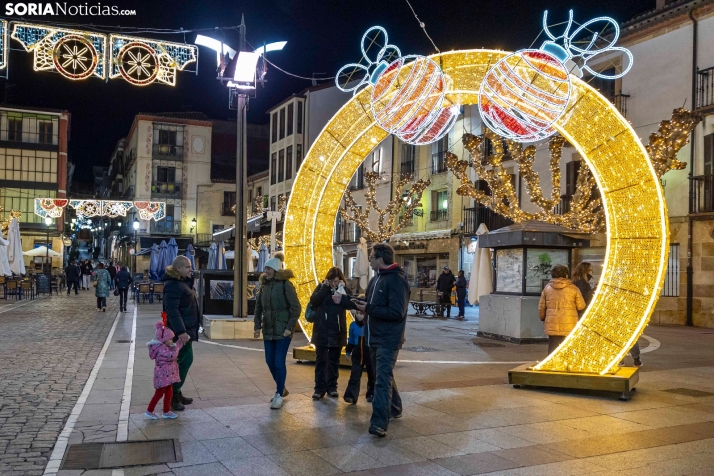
(112, 271)
(461, 286)
(585, 290)
(87, 268)
(445, 283)
(180, 304)
(276, 306)
(387, 305)
(123, 279)
(73, 273)
(356, 347)
(330, 325)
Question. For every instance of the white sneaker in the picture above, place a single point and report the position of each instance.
(277, 402)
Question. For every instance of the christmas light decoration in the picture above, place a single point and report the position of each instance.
(113, 209)
(524, 94)
(141, 61)
(408, 102)
(632, 201)
(50, 207)
(75, 54)
(671, 136)
(4, 44)
(87, 208)
(403, 204)
(151, 210)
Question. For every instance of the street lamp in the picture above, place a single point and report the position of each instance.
(194, 225)
(48, 222)
(136, 226)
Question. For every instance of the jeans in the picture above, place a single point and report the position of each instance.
(275, 354)
(111, 284)
(554, 342)
(461, 297)
(122, 298)
(101, 302)
(635, 351)
(327, 368)
(184, 360)
(76, 287)
(387, 402)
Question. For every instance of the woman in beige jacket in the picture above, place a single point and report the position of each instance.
(558, 307)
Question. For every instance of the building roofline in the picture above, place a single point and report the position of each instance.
(166, 119)
(11, 107)
(289, 98)
(655, 20)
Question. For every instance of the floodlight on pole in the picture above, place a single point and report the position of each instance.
(216, 46)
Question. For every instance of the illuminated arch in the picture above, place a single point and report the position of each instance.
(635, 210)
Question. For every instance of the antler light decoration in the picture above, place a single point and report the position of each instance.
(669, 139)
(386, 226)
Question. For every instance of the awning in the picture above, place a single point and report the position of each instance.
(229, 233)
(421, 235)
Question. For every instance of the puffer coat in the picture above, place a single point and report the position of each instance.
(276, 306)
(103, 282)
(329, 328)
(165, 357)
(180, 304)
(559, 305)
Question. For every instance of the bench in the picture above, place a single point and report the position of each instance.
(422, 307)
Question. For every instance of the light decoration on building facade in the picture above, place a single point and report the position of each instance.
(672, 135)
(142, 61)
(151, 210)
(75, 54)
(526, 92)
(632, 200)
(401, 208)
(50, 207)
(113, 209)
(87, 208)
(409, 102)
(4, 44)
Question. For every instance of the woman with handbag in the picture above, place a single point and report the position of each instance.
(329, 303)
(102, 280)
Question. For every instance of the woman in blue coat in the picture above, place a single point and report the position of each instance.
(103, 280)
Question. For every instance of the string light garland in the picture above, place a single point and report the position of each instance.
(50, 207)
(54, 207)
(632, 201)
(406, 202)
(4, 44)
(671, 136)
(141, 61)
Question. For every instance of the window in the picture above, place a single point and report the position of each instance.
(281, 165)
(272, 204)
(289, 163)
(439, 205)
(260, 192)
(438, 156)
(229, 201)
(45, 132)
(166, 174)
(282, 123)
(275, 127)
(377, 160)
(298, 156)
(299, 117)
(357, 182)
(408, 159)
(14, 128)
(671, 279)
(273, 167)
(168, 140)
(24, 200)
(28, 165)
(571, 177)
(291, 108)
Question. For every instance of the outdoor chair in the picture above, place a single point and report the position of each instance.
(28, 288)
(12, 288)
(158, 292)
(144, 292)
(55, 285)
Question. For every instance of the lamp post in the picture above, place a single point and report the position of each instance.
(136, 226)
(194, 226)
(48, 222)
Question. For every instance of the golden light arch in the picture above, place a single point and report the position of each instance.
(635, 210)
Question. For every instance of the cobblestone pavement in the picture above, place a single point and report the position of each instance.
(47, 350)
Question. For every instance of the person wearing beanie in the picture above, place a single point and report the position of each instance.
(277, 310)
(164, 352)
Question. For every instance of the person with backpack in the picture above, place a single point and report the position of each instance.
(277, 310)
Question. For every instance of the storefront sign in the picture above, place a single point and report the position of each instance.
(411, 246)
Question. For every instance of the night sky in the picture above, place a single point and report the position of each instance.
(322, 36)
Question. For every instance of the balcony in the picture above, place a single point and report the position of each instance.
(620, 102)
(407, 169)
(348, 234)
(227, 209)
(438, 163)
(166, 189)
(167, 152)
(702, 194)
(564, 206)
(473, 217)
(166, 227)
(439, 215)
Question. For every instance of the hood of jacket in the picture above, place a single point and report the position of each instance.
(154, 347)
(172, 274)
(560, 283)
(280, 275)
(397, 269)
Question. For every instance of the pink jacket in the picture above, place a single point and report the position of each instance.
(166, 369)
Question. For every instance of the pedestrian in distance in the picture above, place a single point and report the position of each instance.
(101, 289)
(385, 307)
(461, 285)
(87, 270)
(112, 273)
(277, 310)
(582, 274)
(123, 280)
(558, 307)
(358, 354)
(164, 352)
(73, 274)
(183, 318)
(444, 285)
(329, 303)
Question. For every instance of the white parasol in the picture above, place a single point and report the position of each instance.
(481, 282)
(41, 251)
(4, 263)
(362, 266)
(14, 248)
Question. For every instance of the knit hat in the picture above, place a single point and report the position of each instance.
(163, 333)
(276, 262)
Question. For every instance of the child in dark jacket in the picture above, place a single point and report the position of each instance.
(358, 353)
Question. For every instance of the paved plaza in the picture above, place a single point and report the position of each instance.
(72, 375)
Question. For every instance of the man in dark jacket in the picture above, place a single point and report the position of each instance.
(386, 306)
(444, 286)
(73, 275)
(123, 280)
(183, 319)
(461, 293)
(112, 273)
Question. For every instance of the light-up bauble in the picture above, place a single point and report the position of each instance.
(524, 94)
(138, 63)
(75, 57)
(632, 197)
(409, 94)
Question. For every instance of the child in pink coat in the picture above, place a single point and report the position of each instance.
(164, 351)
